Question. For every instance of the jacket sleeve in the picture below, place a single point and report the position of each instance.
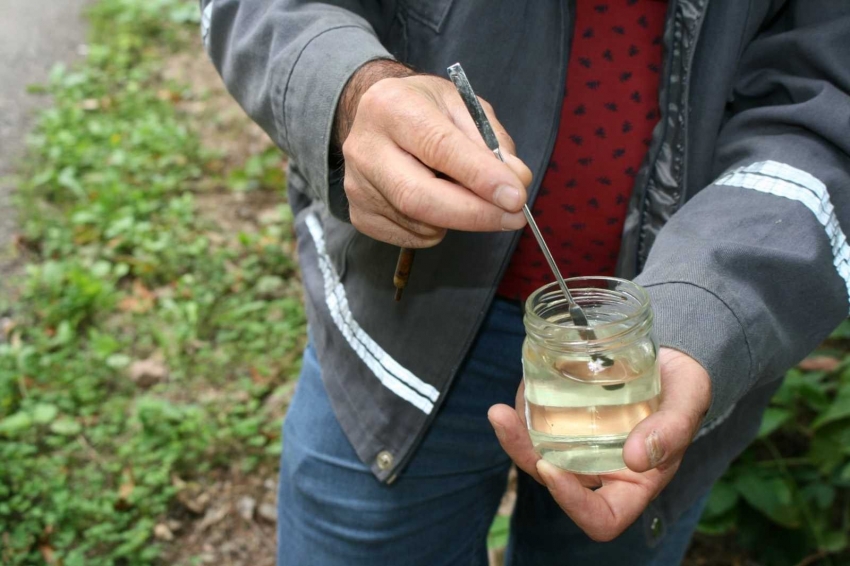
(753, 273)
(286, 63)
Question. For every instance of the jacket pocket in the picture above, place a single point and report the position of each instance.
(431, 13)
(339, 236)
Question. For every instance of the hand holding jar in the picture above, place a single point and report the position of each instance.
(593, 406)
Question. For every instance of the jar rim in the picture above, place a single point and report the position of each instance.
(635, 290)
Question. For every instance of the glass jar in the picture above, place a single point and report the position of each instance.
(586, 390)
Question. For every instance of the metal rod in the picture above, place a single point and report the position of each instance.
(576, 312)
(461, 82)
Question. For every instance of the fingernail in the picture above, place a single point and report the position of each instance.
(512, 221)
(507, 197)
(654, 450)
(547, 471)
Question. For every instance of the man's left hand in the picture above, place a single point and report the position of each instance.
(604, 506)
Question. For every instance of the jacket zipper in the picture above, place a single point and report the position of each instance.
(656, 151)
(686, 107)
(683, 112)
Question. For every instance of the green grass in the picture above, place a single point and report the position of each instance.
(122, 267)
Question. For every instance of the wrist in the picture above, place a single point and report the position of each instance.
(362, 79)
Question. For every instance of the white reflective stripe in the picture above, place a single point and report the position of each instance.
(206, 17)
(713, 424)
(785, 181)
(787, 173)
(388, 371)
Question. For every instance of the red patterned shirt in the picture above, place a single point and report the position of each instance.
(610, 108)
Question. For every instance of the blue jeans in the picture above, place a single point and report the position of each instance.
(333, 512)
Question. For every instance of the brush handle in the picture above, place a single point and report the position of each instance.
(402, 270)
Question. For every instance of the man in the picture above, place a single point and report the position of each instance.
(724, 194)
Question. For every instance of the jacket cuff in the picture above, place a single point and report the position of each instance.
(696, 321)
(310, 94)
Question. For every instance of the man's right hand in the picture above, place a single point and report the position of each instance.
(415, 165)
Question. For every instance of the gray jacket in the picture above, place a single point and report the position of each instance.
(734, 227)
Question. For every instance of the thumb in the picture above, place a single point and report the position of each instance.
(460, 116)
(661, 439)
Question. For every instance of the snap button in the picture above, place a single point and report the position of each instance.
(384, 460)
(655, 527)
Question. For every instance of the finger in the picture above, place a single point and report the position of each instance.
(520, 168)
(460, 116)
(416, 193)
(590, 482)
(434, 139)
(506, 143)
(367, 203)
(464, 121)
(519, 403)
(662, 438)
(386, 230)
(514, 438)
(602, 514)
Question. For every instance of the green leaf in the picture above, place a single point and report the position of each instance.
(65, 334)
(723, 498)
(787, 394)
(720, 512)
(825, 452)
(68, 179)
(771, 495)
(499, 531)
(118, 361)
(36, 89)
(820, 494)
(66, 427)
(840, 408)
(814, 396)
(834, 541)
(808, 386)
(103, 344)
(43, 413)
(719, 525)
(16, 424)
(772, 419)
(844, 476)
(274, 449)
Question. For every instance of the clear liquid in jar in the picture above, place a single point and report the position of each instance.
(580, 410)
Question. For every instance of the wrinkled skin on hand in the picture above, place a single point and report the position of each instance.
(416, 166)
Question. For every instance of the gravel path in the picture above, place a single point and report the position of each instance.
(34, 35)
